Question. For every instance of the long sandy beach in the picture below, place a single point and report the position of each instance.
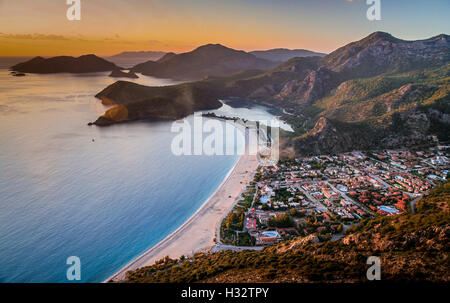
(198, 233)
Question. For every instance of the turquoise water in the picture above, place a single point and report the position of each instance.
(105, 195)
(63, 194)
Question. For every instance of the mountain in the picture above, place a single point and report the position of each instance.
(65, 64)
(396, 90)
(412, 248)
(206, 60)
(379, 92)
(381, 52)
(284, 54)
(130, 59)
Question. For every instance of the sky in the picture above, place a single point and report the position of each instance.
(107, 27)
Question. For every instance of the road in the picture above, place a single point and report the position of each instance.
(412, 204)
(221, 247)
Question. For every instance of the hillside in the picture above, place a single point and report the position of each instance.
(206, 60)
(412, 247)
(397, 110)
(377, 54)
(284, 54)
(65, 64)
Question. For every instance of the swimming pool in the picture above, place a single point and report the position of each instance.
(270, 234)
(389, 209)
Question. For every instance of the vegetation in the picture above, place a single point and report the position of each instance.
(231, 228)
(281, 221)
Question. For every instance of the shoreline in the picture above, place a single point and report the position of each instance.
(198, 232)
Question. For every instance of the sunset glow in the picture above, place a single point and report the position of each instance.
(40, 27)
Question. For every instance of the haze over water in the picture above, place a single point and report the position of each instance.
(63, 194)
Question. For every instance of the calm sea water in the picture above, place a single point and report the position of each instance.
(63, 194)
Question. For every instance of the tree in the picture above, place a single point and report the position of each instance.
(293, 212)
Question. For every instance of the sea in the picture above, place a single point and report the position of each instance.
(102, 195)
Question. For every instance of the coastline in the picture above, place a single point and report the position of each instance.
(198, 233)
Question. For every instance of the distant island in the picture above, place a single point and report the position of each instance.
(284, 54)
(65, 64)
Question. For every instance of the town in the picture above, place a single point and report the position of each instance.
(325, 195)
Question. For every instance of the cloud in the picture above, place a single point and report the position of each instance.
(33, 37)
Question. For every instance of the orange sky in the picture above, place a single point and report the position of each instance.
(40, 27)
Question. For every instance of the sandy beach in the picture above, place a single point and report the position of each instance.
(198, 232)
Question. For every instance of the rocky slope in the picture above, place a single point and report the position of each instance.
(332, 138)
(65, 64)
(379, 53)
(206, 60)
